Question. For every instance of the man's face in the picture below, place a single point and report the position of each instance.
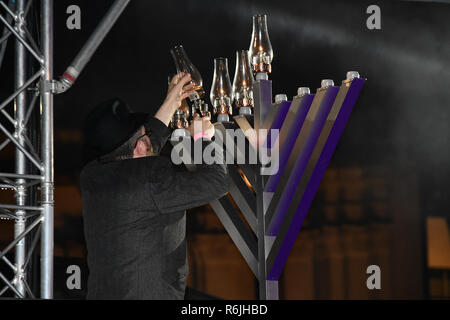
(143, 146)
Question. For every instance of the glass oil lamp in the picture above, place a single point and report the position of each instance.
(242, 93)
(184, 64)
(179, 122)
(260, 52)
(221, 94)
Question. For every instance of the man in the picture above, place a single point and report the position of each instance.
(134, 201)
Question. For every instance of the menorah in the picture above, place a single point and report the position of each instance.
(274, 206)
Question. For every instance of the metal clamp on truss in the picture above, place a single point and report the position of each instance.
(63, 84)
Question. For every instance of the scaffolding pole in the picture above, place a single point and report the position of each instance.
(32, 218)
(21, 161)
(47, 150)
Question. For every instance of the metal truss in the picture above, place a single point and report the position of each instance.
(33, 216)
(274, 206)
(33, 220)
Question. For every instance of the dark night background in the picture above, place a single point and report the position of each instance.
(398, 132)
(402, 115)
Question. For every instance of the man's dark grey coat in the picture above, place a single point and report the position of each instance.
(134, 221)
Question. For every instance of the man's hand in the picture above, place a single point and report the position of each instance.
(178, 91)
(201, 125)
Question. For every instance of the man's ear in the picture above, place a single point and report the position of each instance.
(140, 150)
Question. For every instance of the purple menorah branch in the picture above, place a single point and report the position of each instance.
(307, 188)
(285, 190)
(276, 124)
(288, 135)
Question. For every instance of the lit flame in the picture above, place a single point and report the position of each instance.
(247, 182)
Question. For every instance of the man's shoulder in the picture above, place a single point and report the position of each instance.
(87, 170)
(127, 166)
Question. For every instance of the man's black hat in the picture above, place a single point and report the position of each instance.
(108, 126)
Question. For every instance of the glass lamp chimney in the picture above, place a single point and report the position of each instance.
(220, 95)
(260, 52)
(184, 64)
(243, 83)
